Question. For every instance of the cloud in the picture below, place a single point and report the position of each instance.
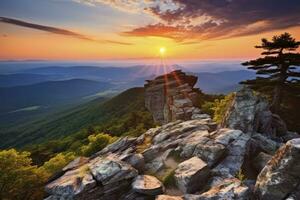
(211, 19)
(56, 30)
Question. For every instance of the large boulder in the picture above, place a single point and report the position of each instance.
(191, 174)
(110, 170)
(171, 97)
(72, 183)
(280, 176)
(148, 185)
(250, 113)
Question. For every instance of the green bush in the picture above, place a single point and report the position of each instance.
(96, 143)
(19, 179)
(221, 106)
(58, 162)
(218, 107)
(169, 179)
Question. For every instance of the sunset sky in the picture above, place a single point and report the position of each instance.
(135, 29)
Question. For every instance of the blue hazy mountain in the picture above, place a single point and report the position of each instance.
(41, 97)
(222, 82)
(11, 80)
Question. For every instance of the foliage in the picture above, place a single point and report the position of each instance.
(96, 114)
(96, 143)
(58, 162)
(168, 179)
(240, 176)
(19, 179)
(207, 107)
(278, 71)
(218, 108)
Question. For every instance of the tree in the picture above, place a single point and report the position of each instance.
(278, 67)
(18, 178)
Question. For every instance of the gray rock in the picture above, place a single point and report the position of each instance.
(191, 174)
(250, 113)
(234, 159)
(201, 116)
(110, 170)
(229, 189)
(262, 143)
(148, 185)
(155, 165)
(225, 136)
(71, 183)
(76, 163)
(210, 151)
(136, 160)
(118, 146)
(281, 175)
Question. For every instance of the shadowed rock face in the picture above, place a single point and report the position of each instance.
(171, 97)
(281, 176)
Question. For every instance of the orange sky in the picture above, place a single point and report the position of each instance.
(17, 42)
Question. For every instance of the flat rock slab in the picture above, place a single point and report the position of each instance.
(72, 183)
(110, 170)
(191, 174)
(168, 197)
(148, 185)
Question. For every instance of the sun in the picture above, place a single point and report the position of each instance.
(162, 50)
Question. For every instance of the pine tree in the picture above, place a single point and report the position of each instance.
(279, 69)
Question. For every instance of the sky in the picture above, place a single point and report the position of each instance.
(136, 29)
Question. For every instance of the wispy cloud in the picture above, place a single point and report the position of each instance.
(56, 30)
(209, 19)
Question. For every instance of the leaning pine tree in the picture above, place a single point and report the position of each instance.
(279, 71)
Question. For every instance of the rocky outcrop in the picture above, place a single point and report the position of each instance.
(171, 97)
(190, 148)
(250, 113)
(190, 157)
(281, 176)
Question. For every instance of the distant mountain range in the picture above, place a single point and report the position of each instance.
(222, 82)
(34, 92)
(68, 122)
(25, 101)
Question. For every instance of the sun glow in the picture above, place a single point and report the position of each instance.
(162, 50)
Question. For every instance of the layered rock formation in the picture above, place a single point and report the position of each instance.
(171, 97)
(250, 113)
(191, 159)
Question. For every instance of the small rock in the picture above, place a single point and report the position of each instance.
(191, 174)
(110, 170)
(148, 185)
(201, 116)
